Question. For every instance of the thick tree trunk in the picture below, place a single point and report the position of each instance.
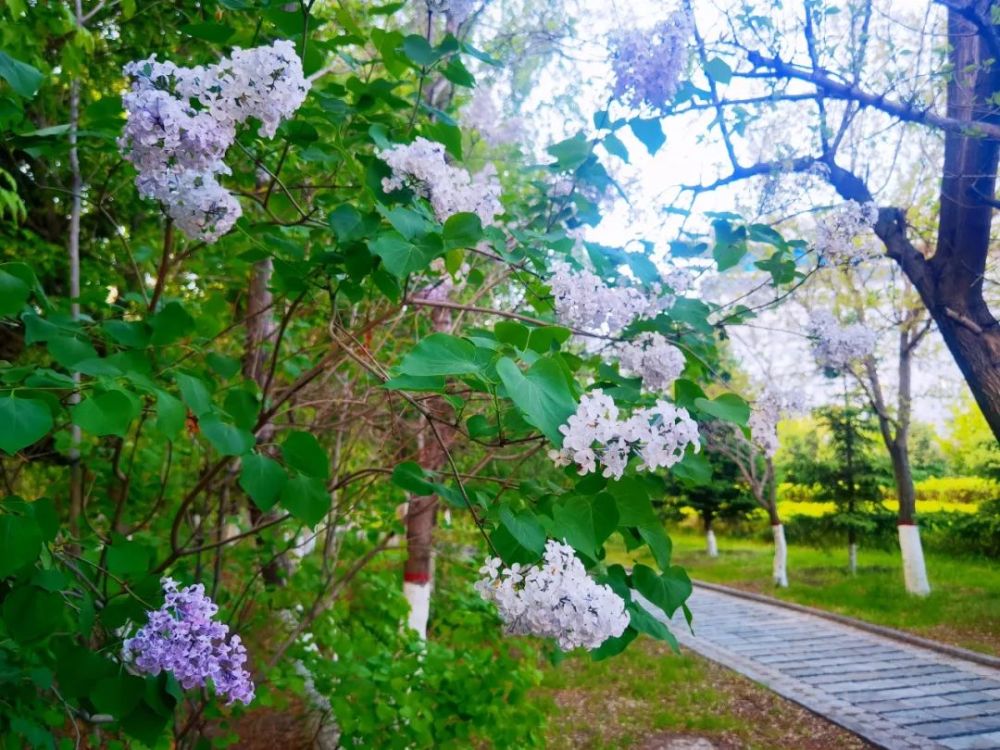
(914, 570)
(950, 282)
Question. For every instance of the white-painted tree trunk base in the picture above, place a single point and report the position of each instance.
(418, 595)
(852, 559)
(711, 546)
(914, 568)
(780, 567)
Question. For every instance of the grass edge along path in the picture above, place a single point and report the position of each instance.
(648, 696)
(962, 610)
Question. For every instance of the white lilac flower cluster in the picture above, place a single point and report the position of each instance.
(838, 233)
(178, 148)
(596, 434)
(763, 422)
(556, 599)
(648, 63)
(584, 301)
(654, 359)
(182, 637)
(836, 346)
(422, 166)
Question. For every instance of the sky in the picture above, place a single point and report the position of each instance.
(774, 349)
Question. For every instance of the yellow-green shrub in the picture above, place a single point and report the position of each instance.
(951, 490)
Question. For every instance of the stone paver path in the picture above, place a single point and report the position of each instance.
(889, 692)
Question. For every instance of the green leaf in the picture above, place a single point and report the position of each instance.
(170, 324)
(23, 78)
(407, 222)
(134, 335)
(419, 50)
(346, 223)
(443, 354)
(170, 414)
(306, 498)
(456, 72)
(541, 394)
(127, 558)
(586, 522)
(227, 439)
(32, 614)
(302, 451)
(686, 391)
(730, 244)
(614, 646)
(718, 70)
(195, 393)
(20, 543)
(411, 477)
(14, 294)
(570, 153)
(728, 407)
(614, 146)
(545, 339)
(217, 33)
(649, 131)
(694, 468)
(117, 695)
(225, 366)
(24, 420)
(244, 407)
(667, 591)
(400, 256)
(68, 350)
(525, 528)
(462, 230)
(107, 413)
(513, 333)
(659, 544)
(634, 506)
(262, 479)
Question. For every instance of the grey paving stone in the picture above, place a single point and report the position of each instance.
(896, 695)
(957, 727)
(990, 741)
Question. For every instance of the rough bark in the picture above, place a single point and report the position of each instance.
(950, 282)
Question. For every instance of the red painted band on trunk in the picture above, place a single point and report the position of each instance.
(417, 577)
(776, 525)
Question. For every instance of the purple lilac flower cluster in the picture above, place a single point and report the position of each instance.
(183, 638)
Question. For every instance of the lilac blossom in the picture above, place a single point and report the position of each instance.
(598, 434)
(422, 166)
(182, 637)
(648, 63)
(556, 599)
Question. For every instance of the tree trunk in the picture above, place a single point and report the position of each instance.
(852, 558)
(418, 573)
(914, 569)
(950, 282)
(421, 514)
(711, 546)
(779, 567)
(259, 329)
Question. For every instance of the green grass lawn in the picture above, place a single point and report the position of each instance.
(648, 695)
(963, 609)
